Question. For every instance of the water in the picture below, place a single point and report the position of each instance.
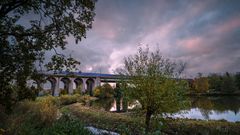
(205, 108)
(212, 108)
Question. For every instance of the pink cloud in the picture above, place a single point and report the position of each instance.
(105, 28)
(191, 43)
(195, 45)
(228, 26)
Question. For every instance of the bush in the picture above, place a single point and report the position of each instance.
(29, 117)
(105, 91)
(97, 91)
(78, 90)
(63, 92)
(67, 125)
(68, 99)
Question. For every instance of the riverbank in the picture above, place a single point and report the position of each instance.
(67, 113)
(128, 123)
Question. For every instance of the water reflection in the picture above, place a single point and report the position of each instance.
(212, 108)
(207, 108)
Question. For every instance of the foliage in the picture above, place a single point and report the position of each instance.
(118, 96)
(103, 104)
(3, 117)
(97, 91)
(78, 90)
(127, 124)
(24, 41)
(63, 92)
(67, 125)
(237, 80)
(42, 117)
(215, 82)
(104, 91)
(228, 84)
(153, 81)
(106, 120)
(29, 116)
(107, 91)
(222, 84)
(201, 85)
(69, 99)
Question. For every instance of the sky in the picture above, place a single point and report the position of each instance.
(203, 33)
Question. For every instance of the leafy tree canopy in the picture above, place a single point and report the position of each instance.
(154, 82)
(29, 28)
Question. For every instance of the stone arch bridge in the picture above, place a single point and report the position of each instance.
(87, 81)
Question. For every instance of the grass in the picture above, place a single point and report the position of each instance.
(129, 124)
(43, 116)
(69, 114)
(106, 120)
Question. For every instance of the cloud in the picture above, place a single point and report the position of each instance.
(205, 34)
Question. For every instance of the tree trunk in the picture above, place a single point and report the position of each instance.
(118, 103)
(147, 121)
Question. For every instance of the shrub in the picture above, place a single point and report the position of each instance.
(69, 99)
(67, 125)
(29, 117)
(78, 90)
(97, 91)
(105, 91)
(63, 92)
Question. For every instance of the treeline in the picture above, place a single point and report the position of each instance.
(216, 83)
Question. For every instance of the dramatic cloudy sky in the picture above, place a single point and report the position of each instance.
(203, 33)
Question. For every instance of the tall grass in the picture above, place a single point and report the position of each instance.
(43, 117)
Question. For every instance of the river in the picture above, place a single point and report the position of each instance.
(205, 108)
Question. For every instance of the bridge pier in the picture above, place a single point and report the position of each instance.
(70, 88)
(56, 90)
(84, 84)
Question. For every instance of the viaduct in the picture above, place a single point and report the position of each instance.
(87, 81)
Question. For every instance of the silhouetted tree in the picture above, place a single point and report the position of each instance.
(228, 85)
(215, 82)
(25, 41)
(237, 80)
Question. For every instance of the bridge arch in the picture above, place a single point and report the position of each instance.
(90, 85)
(78, 84)
(64, 85)
(50, 82)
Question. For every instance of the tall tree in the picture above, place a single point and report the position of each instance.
(215, 82)
(201, 84)
(228, 84)
(29, 28)
(153, 81)
(237, 80)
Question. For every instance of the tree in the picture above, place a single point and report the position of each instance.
(237, 80)
(215, 82)
(201, 84)
(24, 42)
(228, 85)
(154, 82)
(104, 91)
